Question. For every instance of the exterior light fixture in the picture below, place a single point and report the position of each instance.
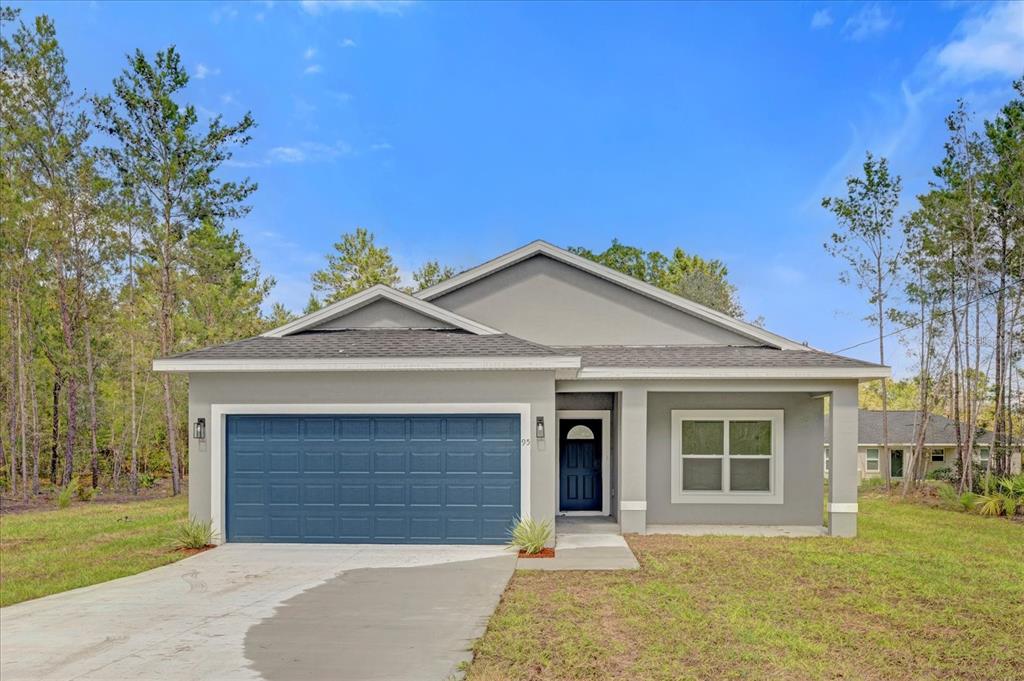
(199, 429)
(540, 427)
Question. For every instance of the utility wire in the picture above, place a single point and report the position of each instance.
(941, 313)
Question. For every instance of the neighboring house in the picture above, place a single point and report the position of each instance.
(939, 443)
(539, 384)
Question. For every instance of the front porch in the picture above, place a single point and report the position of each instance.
(698, 457)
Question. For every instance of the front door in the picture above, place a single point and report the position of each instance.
(579, 477)
(897, 463)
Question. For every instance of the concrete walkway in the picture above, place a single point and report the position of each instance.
(586, 550)
(263, 611)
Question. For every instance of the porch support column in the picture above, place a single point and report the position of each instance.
(843, 477)
(633, 461)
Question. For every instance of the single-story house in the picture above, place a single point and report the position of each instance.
(939, 443)
(536, 384)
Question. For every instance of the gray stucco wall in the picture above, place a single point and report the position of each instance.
(383, 314)
(536, 388)
(802, 483)
(549, 302)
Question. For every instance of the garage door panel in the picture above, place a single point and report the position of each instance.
(390, 479)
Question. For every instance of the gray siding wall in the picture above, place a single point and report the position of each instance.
(802, 484)
(536, 388)
(549, 302)
(382, 314)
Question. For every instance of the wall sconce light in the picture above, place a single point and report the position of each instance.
(540, 427)
(199, 429)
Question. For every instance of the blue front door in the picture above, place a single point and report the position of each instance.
(579, 464)
(373, 479)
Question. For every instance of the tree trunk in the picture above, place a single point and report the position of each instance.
(58, 381)
(887, 459)
(94, 461)
(166, 310)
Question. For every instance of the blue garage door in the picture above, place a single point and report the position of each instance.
(372, 479)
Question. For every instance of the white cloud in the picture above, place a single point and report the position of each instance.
(287, 155)
(203, 71)
(312, 68)
(348, 42)
(870, 21)
(378, 6)
(381, 146)
(822, 18)
(228, 12)
(991, 43)
(309, 53)
(227, 98)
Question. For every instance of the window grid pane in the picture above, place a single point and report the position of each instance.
(750, 438)
(703, 438)
(726, 455)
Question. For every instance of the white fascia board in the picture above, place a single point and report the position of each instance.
(379, 292)
(544, 248)
(185, 364)
(733, 372)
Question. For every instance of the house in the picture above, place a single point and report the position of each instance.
(939, 443)
(538, 383)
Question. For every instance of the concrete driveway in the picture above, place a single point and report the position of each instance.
(266, 611)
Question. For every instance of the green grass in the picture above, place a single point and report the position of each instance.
(45, 552)
(921, 593)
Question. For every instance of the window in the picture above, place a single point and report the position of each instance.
(938, 455)
(871, 465)
(579, 432)
(728, 456)
(983, 454)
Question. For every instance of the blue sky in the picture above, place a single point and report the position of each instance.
(459, 131)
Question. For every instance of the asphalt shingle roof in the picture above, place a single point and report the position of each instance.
(374, 343)
(902, 428)
(715, 356)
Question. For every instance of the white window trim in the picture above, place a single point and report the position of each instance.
(218, 434)
(775, 477)
(940, 452)
(867, 460)
(605, 417)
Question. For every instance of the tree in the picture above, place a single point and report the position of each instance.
(867, 242)
(356, 265)
(169, 169)
(431, 274)
(279, 316)
(687, 275)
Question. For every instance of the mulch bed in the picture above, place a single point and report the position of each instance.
(544, 553)
(192, 552)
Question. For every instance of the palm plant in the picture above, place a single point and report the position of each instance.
(528, 535)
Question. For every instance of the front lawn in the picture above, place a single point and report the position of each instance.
(44, 552)
(922, 593)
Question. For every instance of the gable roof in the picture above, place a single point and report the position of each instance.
(903, 428)
(539, 247)
(371, 350)
(373, 294)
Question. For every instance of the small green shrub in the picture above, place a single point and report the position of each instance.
(947, 495)
(65, 495)
(86, 493)
(943, 474)
(528, 535)
(989, 504)
(193, 534)
(868, 484)
(146, 480)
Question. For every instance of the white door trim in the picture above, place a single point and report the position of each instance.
(605, 415)
(218, 441)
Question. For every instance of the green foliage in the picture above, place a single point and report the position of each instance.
(688, 275)
(948, 495)
(193, 534)
(868, 484)
(86, 492)
(528, 535)
(69, 491)
(431, 273)
(356, 264)
(147, 480)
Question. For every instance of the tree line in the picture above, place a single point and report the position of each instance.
(946, 281)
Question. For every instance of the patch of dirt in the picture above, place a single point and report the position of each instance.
(46, 500)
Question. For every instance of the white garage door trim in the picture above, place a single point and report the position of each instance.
(218, 432)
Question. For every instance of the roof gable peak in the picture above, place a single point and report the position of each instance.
(371, 295)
